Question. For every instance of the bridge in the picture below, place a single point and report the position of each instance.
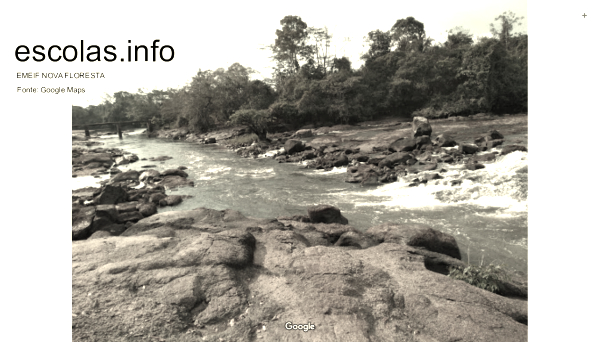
(149, 128)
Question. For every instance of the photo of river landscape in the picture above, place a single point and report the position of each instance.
(315, 177)
(487, 213)
(148, 203)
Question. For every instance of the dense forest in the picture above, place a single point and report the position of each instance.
(404, 74)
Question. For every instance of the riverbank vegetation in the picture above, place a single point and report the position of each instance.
(405, 73)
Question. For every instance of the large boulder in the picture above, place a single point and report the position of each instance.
(511, 148)
(108, 211)
(416, 235)
(149, 175)
(112, 195)
(156, 197)
(170, 200)
(445, 140)
(123, 160)
(174, 172)
(491, 135)
(127, 206)
(293, 146)
(341, 160)
(468, 148)
(488, 145)
(130, 216)
(355, 239)
(82, 218)
(421, 126)
(171, 182)
(375, 159)
(303, 133)
(323, 213)
(394, 159)
(132, 175)
(422, 140)
(358, 173)
(403, 145)
(147, 209)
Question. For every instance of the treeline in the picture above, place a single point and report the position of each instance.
(403, 74)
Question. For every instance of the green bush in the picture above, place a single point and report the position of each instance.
(256, 120)
(489, 278)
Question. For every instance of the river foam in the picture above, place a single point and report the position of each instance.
(501, 184)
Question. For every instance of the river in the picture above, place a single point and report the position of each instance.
(487, 213)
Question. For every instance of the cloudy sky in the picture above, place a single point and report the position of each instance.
(215, 35)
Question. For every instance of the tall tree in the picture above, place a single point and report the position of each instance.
(508, 20)
(458, 37)
(409, 34)
(290, 46)
(320, 41)
(380, 43)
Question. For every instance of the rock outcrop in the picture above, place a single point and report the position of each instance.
(323, 213)
(125, 198)
(219, 276)
(421, 126)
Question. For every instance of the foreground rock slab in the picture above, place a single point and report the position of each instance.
(211, 275)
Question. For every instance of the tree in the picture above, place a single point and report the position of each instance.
(80, 115)
(171, 107)
(458, 37)
(290, 45)
(409, 34)
(257, 121)
(311, 71)
(121, 107)
(379, 44)
(260, 95)
(341, 64)
(230, 90)
(320, 41)
(508, 20)
(199, 104)
(338, 98)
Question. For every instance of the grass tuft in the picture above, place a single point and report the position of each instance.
(490, 278)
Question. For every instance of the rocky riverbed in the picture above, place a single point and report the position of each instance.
(124, 198)
(219, 275)
(380, 153)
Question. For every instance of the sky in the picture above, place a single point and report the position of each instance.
(215, 35)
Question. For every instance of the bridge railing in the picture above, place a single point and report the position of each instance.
(149, 127)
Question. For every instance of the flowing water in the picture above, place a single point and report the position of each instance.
(487, 213)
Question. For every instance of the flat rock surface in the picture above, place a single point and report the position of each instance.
(211, 275)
